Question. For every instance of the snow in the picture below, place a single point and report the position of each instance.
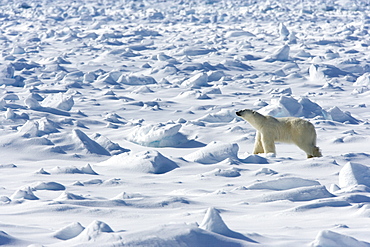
(118, 124)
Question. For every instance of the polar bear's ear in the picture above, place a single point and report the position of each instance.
(254, 112)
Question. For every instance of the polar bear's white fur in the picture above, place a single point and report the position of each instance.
(286, 129)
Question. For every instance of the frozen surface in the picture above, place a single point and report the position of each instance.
(118, 123)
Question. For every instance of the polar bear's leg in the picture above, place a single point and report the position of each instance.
(258, 148)
(310, 149)
(268, 144)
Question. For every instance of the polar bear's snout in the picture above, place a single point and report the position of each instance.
(239, 113)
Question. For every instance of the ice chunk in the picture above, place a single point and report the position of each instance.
(353, 174)
(18, 50)
(283, 31)
(214, 152)
(159, 135)
(29, 129)
(363, 80)
(316, 75)
(83, 143)
(288, 106)
(60, 101)
(110, 146)
(338, 115)
(310, 109)
(32, 103)
(213, 222)
(197, 81)
(283, 107)
(282, 54)
(145, 161)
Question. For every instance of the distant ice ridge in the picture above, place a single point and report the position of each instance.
(288, 106)
(157, 135)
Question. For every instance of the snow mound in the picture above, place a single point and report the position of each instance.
(158, 135)
(145, 161)
(96, 231)
(25, 193)
(83, 143)
(283, 184)
(176, 235)
(38, 128)
(321, 203)
(197, 94)
(59, 101)
(230, 172)
(266, 171)
(223, 116)
(197, 51)
(254, 159)
(353, 174)
(48, 186)
(333, 239)
(136, 80)
(73, 170)
(8, 240)
(299, 194)
(213, 222)
(68, 232)
(238, 33)
(65, 196)
(214, 152)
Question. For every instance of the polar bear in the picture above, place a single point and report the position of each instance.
(285, 129)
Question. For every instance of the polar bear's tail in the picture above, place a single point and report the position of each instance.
(316, 152)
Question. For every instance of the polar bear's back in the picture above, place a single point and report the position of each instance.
(292, 128)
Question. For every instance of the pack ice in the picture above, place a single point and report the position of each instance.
(118, 124)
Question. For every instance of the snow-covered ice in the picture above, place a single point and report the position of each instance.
(118, 124)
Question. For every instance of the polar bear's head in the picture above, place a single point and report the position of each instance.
(245, 113)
